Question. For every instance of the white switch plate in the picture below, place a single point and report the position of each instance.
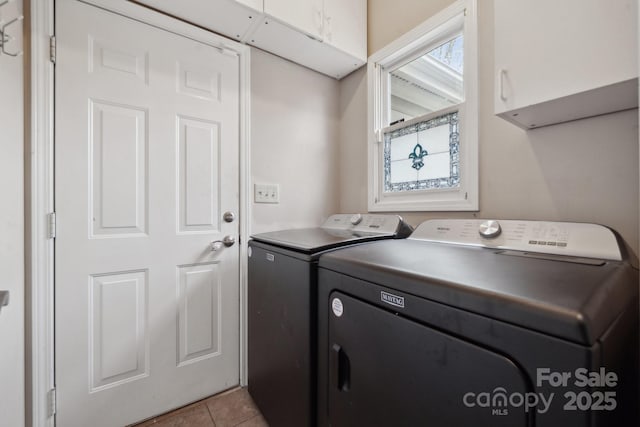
(266, 193)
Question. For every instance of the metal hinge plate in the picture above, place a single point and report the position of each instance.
(52, 225)
(51, 402)
(52, 49)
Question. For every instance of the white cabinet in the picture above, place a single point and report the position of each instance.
(234, 19)
(339, 23)
(303, 15)
(287, 42)
(253, 4)
(345, 26)
(557, 61)
(329, 36)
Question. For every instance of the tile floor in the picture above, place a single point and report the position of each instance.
(233, 408)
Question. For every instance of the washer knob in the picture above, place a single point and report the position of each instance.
(356, 219)
(490, 229)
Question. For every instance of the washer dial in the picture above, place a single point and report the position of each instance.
(490, 229)
(356, 219)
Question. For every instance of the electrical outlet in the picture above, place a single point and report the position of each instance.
(266, 193)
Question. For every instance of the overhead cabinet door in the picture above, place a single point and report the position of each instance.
(557, 61)
(345, 26)
(304, 15)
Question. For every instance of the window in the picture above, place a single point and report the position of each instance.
(423, 135)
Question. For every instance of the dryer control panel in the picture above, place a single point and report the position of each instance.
(557, 238)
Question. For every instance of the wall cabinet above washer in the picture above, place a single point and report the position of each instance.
(557, 61)
(345, 26)
(303, 15)
(339, 23)
(285, 41)
(329, 36)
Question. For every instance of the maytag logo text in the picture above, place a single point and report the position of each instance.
(392, 299)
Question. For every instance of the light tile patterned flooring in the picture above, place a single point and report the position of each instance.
(233, 408)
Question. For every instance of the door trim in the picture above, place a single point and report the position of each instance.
(40, 199)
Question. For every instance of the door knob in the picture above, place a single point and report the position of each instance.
(228, 216)
(227, 241)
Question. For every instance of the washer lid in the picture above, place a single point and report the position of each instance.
(317, 239)
(563, 297)
(338, 230)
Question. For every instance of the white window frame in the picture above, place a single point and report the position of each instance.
(410, 46)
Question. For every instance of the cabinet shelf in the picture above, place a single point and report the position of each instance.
(604, 100)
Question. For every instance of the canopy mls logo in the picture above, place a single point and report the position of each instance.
(392, 299)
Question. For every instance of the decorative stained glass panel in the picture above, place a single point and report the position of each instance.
(424, 155)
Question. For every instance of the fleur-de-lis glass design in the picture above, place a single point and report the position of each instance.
(418, 154)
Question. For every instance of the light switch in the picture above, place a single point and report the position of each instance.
(266, 193)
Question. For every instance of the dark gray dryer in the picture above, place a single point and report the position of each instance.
(466, 321)
(282, 310)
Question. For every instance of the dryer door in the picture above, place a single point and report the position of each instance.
(386, 370)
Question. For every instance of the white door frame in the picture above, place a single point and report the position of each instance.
(40, 199)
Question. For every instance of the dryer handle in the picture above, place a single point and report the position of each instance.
(340, 368)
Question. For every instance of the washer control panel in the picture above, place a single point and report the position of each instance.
(371, 223)
(557, 238)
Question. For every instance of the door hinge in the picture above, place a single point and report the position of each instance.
(52, 225)
(51, 402)
(52, 49)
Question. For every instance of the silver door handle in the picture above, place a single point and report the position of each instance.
(227, 241)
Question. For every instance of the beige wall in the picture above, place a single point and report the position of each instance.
(294, 124)
(388, 20)
(583, 171)
(353, 146)
(11, 228)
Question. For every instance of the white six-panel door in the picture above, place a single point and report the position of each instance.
(146, 163)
